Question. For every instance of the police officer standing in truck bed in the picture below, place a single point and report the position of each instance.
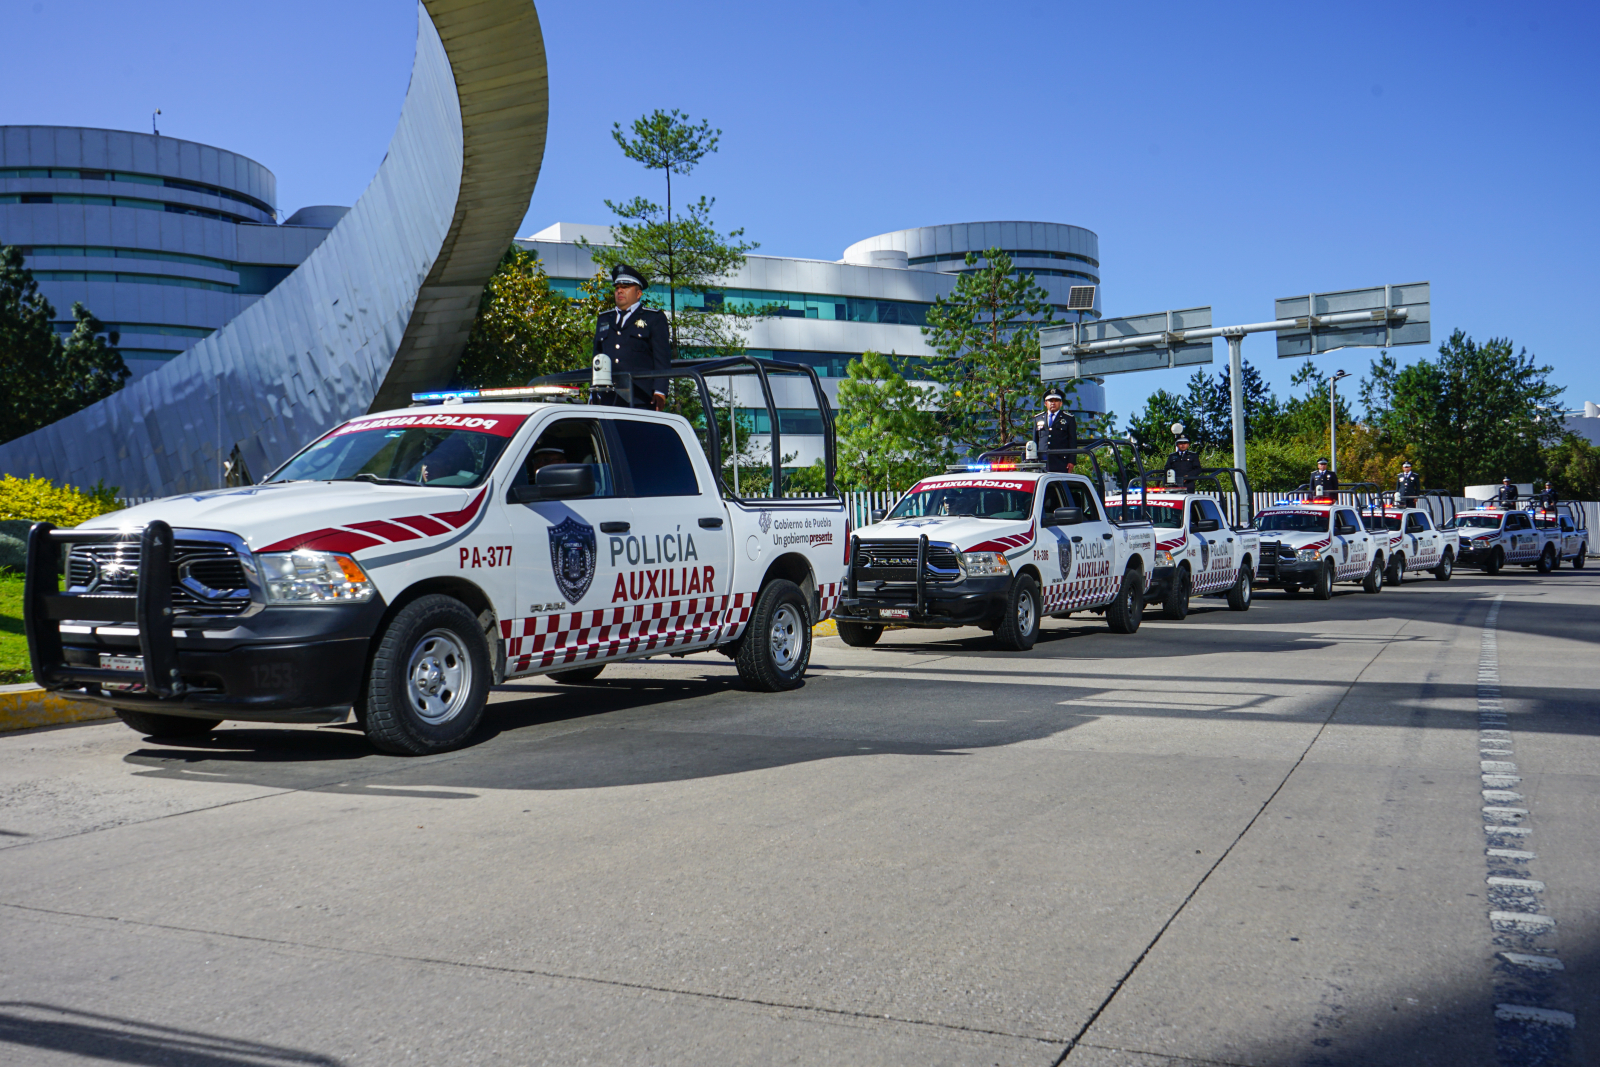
(635, 337)
(1055, 427)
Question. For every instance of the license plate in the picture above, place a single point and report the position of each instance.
(894, 613)
(134, 665)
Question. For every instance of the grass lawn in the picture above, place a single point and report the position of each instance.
(13, 645)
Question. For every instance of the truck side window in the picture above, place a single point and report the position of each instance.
(1417, 524)
(1346, 523)
(570, 441)
(1517, 521)
(1053, 498)
(657, 460)
(1208, 510)
(1083, 497)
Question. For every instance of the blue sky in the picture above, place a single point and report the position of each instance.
(1225, 154)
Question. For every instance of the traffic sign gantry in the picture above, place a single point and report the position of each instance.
(1383, 326)
(1117, 346)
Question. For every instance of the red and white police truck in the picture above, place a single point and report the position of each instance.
(1200, 551)
(1410, 541)
(1314, 543)
(1490, 537)
(405, 561)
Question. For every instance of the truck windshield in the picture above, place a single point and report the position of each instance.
(1473, 522)
(977, 501)
(1162, 516)
(388, 454)
(1297, 521)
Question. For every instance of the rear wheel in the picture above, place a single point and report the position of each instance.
(429, 679)
(1019, 625)
(578, 675)
(152, 725)
(776, 646)
(1323, 590)
(1446, 567)
(858, 634)
(1497, 559)
(1373, 582)
(1577, 561)
(1124, 614)
(1241, 591)
(1175, 605)
(1547, 560)
(1396, 574)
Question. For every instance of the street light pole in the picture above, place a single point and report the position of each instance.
(1333, 420)
(1235, 338)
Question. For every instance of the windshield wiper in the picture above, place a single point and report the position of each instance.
(367, 476)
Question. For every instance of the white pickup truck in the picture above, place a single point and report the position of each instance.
(1572, 527)
(407, 560)
(997, 547)
(1411, 542)
(1316, 543)
(1199, 551)
(1489, 537)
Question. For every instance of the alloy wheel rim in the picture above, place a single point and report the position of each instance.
(786, 637)
(438, 677)
(1025, 613)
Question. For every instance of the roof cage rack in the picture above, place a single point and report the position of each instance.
(1085, 448)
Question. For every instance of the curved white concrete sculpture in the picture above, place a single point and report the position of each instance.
(380, 308)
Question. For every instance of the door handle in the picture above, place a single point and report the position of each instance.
(1077, 537)
(714, 523)
(613, 527)
(1105, 537)
(1230, 540)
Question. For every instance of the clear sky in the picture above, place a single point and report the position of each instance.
(1225, 154)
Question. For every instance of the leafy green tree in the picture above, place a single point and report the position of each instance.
(988, 332)
(1573, 465)
(682, 253)
(525, 328)
(48, 378)
(1470, 417)
(888, 429)
(1152, 427)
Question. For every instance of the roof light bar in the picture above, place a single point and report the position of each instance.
(512, 392)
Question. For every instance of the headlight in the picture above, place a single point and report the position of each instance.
(984, 564)
(307, 577)
(1163, 558)
(1307, 555)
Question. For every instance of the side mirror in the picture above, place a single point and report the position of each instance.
(1066, 517)
(877, 515)
(1203, 525)
(561, 481)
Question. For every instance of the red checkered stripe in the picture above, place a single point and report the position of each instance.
(603, 633)
(828, 599)
(1087, 592)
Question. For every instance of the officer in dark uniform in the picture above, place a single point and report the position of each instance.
(1324, 483)
(1055, 427)
(1409, 487)
(636, 339)
(1548, 499)
(1506, 495)
(1183, 466)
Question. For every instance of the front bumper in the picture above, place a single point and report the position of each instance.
(1287, 571)
(969, 602)
(1473, 554)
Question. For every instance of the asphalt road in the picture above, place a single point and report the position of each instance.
(1238, 839)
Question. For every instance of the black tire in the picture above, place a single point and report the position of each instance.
(1577, 561)
(1323, 590)
(429, 679)
(1446, 567)
(151, 724)
(577, 675)
(858, 634)
(1497, 559)
(1291, 590)
(1124, 614)
(1019, 624)
(1175, 605)
(1546, 560)
(776, 646)
(1373, 582)
(1396, 573)
(1242, 591)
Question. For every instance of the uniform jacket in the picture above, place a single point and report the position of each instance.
(640, 348)
(1547, 499)
(1185, 467)
(1409, 485)
(1506, 496)
(1063, 433)
(1324, 483)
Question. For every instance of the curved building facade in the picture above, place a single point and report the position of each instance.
(164, 240)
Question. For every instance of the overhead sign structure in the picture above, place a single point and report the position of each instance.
(1118, 346)
(1382, 328)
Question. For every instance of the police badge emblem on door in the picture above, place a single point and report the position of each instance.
(572, 558)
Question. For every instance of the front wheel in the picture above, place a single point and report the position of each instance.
(1019, 624)
(1446, 567)
(577, 675)
(1124, 614)
(1373, 582)
(1497, 559)
(1396, 574)
(1323, 590)
(776, 647)
(1175, 605)
(1547, 560)
(429, 680)
(1241, 591)
(163, 726)
(858, 634)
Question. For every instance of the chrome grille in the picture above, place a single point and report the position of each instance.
(896, 561)
(208, 577)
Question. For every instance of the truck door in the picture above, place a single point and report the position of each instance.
(1216, 566)
(1053, 551)
(565, 577)
(674, 565)
(1523, 542)
(1422, 541)
(1352, 543)
(1090, 542)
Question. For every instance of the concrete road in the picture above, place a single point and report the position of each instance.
(1251, 838)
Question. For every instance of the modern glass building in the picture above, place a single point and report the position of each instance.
(876, 298)
(164, 240)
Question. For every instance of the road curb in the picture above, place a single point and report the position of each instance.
(24, 707)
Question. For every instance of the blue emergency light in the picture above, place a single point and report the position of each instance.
(512, 392)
